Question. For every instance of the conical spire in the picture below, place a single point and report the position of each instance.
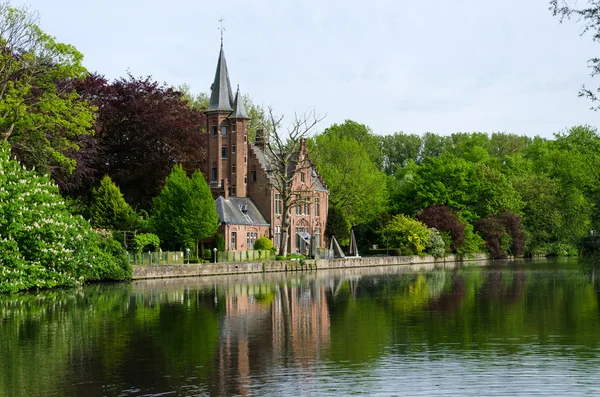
(239, 111)
(221, 98)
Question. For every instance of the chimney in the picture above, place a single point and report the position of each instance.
(225, 186)
(260, 138)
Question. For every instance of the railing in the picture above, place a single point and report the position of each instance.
(156, 258)
(245, 256)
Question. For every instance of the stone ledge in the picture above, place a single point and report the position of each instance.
(213, 269)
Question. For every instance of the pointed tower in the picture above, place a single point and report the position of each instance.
(227, 126)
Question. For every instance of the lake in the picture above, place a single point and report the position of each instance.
(498, 328)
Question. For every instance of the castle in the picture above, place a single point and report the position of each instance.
(241, 180)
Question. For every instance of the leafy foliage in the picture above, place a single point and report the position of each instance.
(41, 244)
(503, 235)
(146, 242)
(444, 220)
(142, 129)
(408, 235)
(435, 244)
(356, 185)
(337, 225)
(109, 209)
(41, 112)
(184, 212)
(263, 243)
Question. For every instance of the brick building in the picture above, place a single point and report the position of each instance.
(240, 179)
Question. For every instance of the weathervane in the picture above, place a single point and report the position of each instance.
(221, 28)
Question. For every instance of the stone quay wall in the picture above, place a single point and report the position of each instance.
(213, 269)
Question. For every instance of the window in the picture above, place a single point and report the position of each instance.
(245, 179)
(277, 203)
(213, 130)
(245, 138)
(307, 207)
(223, 130)
(297, 204)
(317, 237)
(233, 193)
(277, 236)
(250, 239)
(244, 159)
(233, 240)
(224, 152)
(302, 177)
(253, 176)
(214, 173)
(233, 129)
(232, 149)
(233, 168)
(317, 207)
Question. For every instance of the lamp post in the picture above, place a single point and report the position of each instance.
(215, 251)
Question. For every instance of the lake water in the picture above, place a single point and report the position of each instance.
(502, 328)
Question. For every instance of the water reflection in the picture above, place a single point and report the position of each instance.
(341, 332)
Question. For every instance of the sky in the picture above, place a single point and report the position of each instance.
(412, 66)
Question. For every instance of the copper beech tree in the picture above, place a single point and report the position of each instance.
(288, 157)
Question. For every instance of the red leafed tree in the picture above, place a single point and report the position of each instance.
(143, 129)
(445, 221)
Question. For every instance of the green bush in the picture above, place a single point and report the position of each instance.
(280, 258)
(408, 235)
(263, 243)
(146, 242)
(436, 245)
(42, 245)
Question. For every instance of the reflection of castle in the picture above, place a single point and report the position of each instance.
(258, 334)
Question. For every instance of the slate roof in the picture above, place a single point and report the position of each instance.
(221, 97)
(230, 211)
(265, 162)
(239, 111)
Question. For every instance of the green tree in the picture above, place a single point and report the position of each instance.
(476, 190)
(361, 134)
(263, 243)
(338, 226)
(184, 212)
(356, 185)
(408, 235)
(109, 209)
(40, 112)
(41, 244)
(399, 149)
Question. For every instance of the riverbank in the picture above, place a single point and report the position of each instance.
(215, 269)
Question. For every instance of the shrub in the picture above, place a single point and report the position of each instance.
(280, 258)
(435, 245)
(408, 235)
(42, 245)
(263, 243)
(503, 235)
(146, 242)
(444, 220)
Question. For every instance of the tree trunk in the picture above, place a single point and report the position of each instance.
(285, 232)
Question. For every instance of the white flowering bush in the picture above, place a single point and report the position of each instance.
(41, 244)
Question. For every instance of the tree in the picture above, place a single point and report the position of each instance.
(263, 243)
(589, 15)
(503, 235)
(356, 186)
(40, 112)
(444, 220)
(184, 212)
(337, 225)
(361, 134)
(109, 210)
(288, 157)
(41, 244)
(143, 128)
(408, 235)
(475, 190)
(399, 149)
